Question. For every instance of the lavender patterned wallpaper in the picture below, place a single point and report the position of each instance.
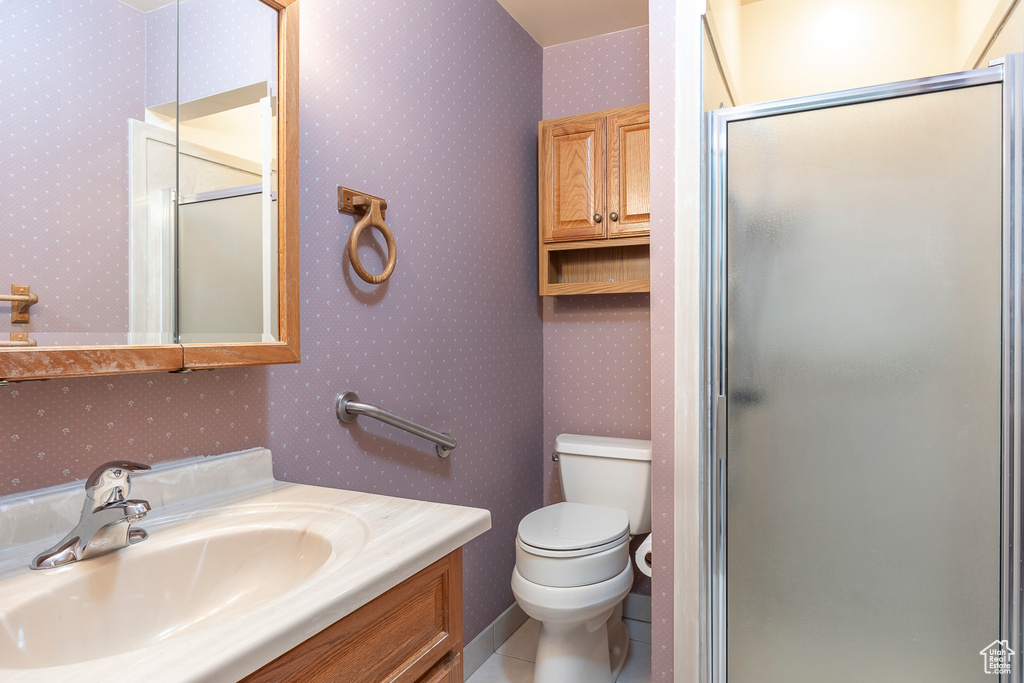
(223, 44)
(597, 350)
(432, 105)
(596, 73)
(162, 54)
(663, 18)
(73, 74)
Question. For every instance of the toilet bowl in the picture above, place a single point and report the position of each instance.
(572, 572)
(582, 637)
(573, 566)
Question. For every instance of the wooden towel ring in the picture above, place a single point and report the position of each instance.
(373, 218)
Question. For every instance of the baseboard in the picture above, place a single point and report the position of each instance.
(636, 613)
(491, 638)
(477, 651)
(637, 607)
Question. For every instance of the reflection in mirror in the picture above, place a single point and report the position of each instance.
(73, 75)
(227, 130)
(126, 235)
(152, 186)
(225, 255)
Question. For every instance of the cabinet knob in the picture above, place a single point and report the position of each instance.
(614, 216)
(597, 218)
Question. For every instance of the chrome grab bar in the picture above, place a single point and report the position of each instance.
(348, 408)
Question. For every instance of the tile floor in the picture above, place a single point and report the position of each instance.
(513, 662)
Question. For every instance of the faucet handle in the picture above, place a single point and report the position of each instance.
(114, 477)
(114, 467)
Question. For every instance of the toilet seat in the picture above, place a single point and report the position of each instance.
(571, 529)
(572, 544)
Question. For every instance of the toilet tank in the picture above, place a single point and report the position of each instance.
(607, 471)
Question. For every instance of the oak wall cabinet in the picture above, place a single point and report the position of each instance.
(410, 634)
(594, 183)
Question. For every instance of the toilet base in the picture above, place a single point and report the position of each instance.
(582, 637)
(618, 641)
(576, 653)
(573, 652)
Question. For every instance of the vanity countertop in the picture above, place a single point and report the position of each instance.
(372, 544)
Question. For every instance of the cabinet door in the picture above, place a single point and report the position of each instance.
(629, 172)
(446, 672)
(400, 637)
(571, 170)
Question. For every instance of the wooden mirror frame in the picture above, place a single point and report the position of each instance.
(28, 363)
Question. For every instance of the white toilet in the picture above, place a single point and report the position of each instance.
(573, 565)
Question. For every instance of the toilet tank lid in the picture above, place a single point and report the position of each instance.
(603, 446)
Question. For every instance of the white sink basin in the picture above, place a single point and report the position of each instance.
(228, 580)
(182, 575)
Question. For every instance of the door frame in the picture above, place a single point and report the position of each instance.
(714, 420)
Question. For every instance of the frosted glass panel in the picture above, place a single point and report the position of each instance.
(863, 384)
(220, 262)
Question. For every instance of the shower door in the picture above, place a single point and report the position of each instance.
(863, 374)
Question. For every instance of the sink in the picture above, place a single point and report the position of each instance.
(238, 569)
(192, 570)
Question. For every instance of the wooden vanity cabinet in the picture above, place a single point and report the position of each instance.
(410, 634)
(594, 185)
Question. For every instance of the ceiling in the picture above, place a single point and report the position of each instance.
(552, 22)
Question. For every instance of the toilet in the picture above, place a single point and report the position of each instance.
(573, 566)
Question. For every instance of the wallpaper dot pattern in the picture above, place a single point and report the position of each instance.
(162, 55)
(221, 45)
(59, 430)
(663, 143)
(432, 105)
(597, 348)
(596, 73)
(73, 74)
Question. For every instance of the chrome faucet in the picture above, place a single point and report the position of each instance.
(106, 519)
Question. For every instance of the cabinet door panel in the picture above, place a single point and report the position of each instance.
(629, 172)
(572, 181)
(446, 672)
(399, 637)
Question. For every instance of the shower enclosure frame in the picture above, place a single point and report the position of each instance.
(713, 318)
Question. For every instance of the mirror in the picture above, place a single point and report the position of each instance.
(151, 172)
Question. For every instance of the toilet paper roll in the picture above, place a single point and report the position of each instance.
(643, 556)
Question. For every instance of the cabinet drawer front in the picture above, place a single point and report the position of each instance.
(447, 672)
(397, 637)
(572, 181)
